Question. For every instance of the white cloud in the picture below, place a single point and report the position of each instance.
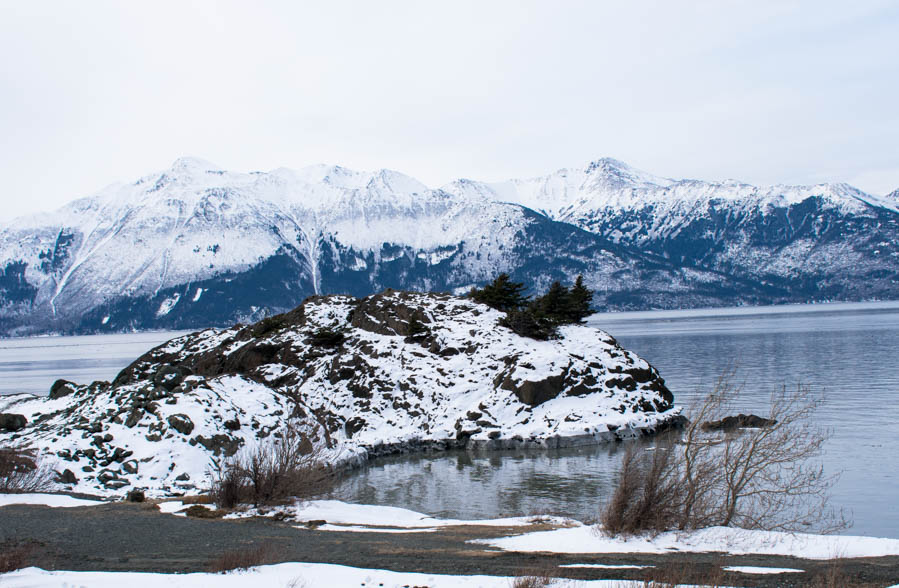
(762, 91)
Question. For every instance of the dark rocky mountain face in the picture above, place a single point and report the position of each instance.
(802, 252)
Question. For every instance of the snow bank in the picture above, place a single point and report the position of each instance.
(51, 500)
(366, 517)
(585, 539)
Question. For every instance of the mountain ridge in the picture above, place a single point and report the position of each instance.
(262, 241)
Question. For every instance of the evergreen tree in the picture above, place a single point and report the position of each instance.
(553, 305)
(502, 294)
(579, 299)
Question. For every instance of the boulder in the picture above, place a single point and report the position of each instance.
(741, 421)
(170, 376)
(66, 477)
(181, 423)
(136, 496)
(10, 422)
(61, 388)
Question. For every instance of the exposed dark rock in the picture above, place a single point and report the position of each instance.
(170, 377)
(232, 424)
(10, 422)
(181, 423)
(66, 477)
(219, 444)
(741, 421)
(136, 496)
(534, 393)
(354, 425)
(390, 313)
(62, 388)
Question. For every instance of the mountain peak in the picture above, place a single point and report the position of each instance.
(193, 164)
(618, 174)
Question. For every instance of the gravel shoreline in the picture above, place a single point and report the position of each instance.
(137, 537)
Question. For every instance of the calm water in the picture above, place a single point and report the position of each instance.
(845, 352)
(32, 364)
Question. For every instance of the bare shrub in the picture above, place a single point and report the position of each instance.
(291, 465)
(648, 496)
(534, 576)
(21, 470)
(753, 478)
(531, 582)
(244, 557)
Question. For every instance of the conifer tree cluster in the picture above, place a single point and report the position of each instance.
(538, 318)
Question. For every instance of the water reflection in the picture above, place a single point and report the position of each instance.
(846, 353)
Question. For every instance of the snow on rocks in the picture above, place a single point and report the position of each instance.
(393, 372)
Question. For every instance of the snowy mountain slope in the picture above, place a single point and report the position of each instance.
(196, 245)
(462, 382)
(815, 242)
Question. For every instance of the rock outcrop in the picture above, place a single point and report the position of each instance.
(397, 371)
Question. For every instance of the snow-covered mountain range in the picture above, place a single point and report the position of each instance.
(196, 245)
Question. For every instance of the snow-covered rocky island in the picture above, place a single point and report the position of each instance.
(393, 372)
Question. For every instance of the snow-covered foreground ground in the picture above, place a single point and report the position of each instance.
(290, 575)
(570, 537)
(286, 575)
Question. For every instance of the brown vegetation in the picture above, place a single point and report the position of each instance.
(15, 556)
(753, 478)
(244, 557)
(291, 465)
(21, 470)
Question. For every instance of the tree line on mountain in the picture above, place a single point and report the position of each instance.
(539, 317)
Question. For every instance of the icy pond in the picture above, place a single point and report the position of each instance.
(845, 352)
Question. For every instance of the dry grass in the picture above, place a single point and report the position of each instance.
(686, 573)
(21, 470)
(244, 557)
(197, 499)
(531, 582)
(834, 576)
(198, 511)
(534, 577)
(15, 556)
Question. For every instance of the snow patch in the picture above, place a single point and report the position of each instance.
(726, 539)
(167, 305)
(51, 500)
(761, 570)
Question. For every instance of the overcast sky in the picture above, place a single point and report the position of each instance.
(766, 92)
